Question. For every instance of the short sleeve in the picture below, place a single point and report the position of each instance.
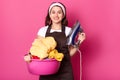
(42, 31)
(67, 30)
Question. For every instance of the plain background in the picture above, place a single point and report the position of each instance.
(20, 21)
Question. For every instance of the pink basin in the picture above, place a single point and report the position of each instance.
(43, 67)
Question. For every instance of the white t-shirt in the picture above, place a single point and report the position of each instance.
(42, 31)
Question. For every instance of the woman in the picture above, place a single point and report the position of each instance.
(56, 26)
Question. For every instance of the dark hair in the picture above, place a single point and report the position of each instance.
(48, 20)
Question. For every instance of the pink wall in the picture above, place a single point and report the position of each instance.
(21, 19)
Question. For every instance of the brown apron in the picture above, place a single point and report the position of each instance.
(65, 70)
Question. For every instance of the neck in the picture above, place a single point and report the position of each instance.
(56, 26)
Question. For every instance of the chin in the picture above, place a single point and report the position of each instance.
(57, 21)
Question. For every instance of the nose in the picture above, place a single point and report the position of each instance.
(56, 14)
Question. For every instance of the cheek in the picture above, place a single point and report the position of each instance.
(61, 16)
(51, 16)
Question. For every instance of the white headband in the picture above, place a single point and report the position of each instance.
(57, 4)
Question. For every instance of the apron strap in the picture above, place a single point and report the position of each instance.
(63, 28)
(49, 28)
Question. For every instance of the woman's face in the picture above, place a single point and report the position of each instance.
(56, 14)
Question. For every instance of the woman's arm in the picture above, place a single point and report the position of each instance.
(81, 38)
(39, 37)
(72, 50)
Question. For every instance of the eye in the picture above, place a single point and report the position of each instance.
(52, 12)
(59, 12)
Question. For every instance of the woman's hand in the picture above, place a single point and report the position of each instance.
(81, 37)
(27, 58)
